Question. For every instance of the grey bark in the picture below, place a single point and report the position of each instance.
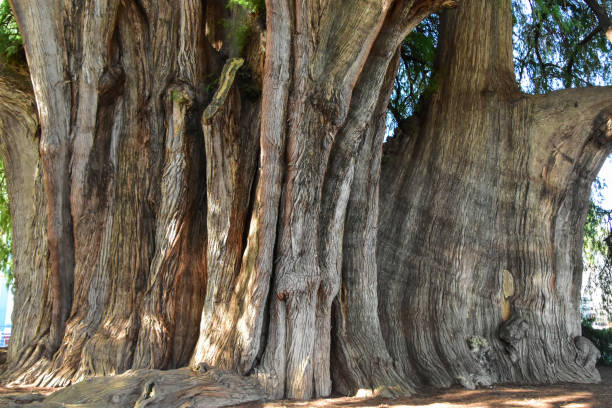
(254, 231)
(493, 186)
(19, 138)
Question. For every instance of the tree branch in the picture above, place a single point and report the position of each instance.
(602, 16)
(574, 126)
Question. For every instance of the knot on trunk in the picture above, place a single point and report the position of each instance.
(483, 374)
(201, 368)
(511, 332)
(586, 352)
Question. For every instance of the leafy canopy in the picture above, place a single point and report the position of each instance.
(557, 44)
(253, 6)
(11, 44)
(560, 44)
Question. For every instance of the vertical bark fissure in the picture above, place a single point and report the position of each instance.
(114, 136)
(362, 362)
(47, 59)
(318, 106)
(486, 156)
(19, 138)
(274, 241)
(175, 287)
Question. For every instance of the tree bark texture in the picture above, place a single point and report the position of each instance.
(217, 200)
(480, 280)
(19, 137)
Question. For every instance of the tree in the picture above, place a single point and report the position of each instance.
(560, 44)
(214, 194)
(495, 191)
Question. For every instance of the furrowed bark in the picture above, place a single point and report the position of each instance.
(19, 138)
(236, 340)
(361, 360)
(230, 132)
(133, 137)
(174, 296)
(47, 60)
(134, 155)
(300, 304)
(481, 278)
(240, 230)
(318, 108)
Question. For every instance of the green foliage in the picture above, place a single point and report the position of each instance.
(6, 233)
(211, 83)
(240, 25)
(414, 80)
(558, 44)
(11, 45)
(602, 339)
(239, 33)
(253, 6)
(597, 249)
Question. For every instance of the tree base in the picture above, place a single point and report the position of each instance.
(154, 388)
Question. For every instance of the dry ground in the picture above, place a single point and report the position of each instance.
(502, 396)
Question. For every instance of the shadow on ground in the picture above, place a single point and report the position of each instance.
(183, 388)
(502, 396)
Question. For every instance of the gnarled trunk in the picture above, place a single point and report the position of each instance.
(240, 228)
(479, 280)
(156, 216)
(19, 137)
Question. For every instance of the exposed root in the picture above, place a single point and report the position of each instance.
(155, 388)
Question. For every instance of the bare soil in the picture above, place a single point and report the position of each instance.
(501, 396)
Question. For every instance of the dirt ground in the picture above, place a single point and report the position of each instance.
(502, 396)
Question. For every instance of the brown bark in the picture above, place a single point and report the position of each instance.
(240, 229)
(302, 292)
(122, 113)
(19, 137)
(494, 189)
(124, 157)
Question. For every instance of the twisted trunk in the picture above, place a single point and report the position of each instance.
(480, 279)
(171, 206)
(19, 137)
(213, 199)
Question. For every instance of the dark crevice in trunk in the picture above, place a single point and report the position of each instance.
(267, 212)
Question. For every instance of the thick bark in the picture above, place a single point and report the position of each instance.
(19, 138)
(494, 186)
(241, 229)
(120, 87)
(121, 147)
(304, 283)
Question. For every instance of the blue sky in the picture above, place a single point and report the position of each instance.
(605, 175)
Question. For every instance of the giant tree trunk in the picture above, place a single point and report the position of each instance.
(480, 277)
(238, 228)
(170, 207)
(19, 137)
